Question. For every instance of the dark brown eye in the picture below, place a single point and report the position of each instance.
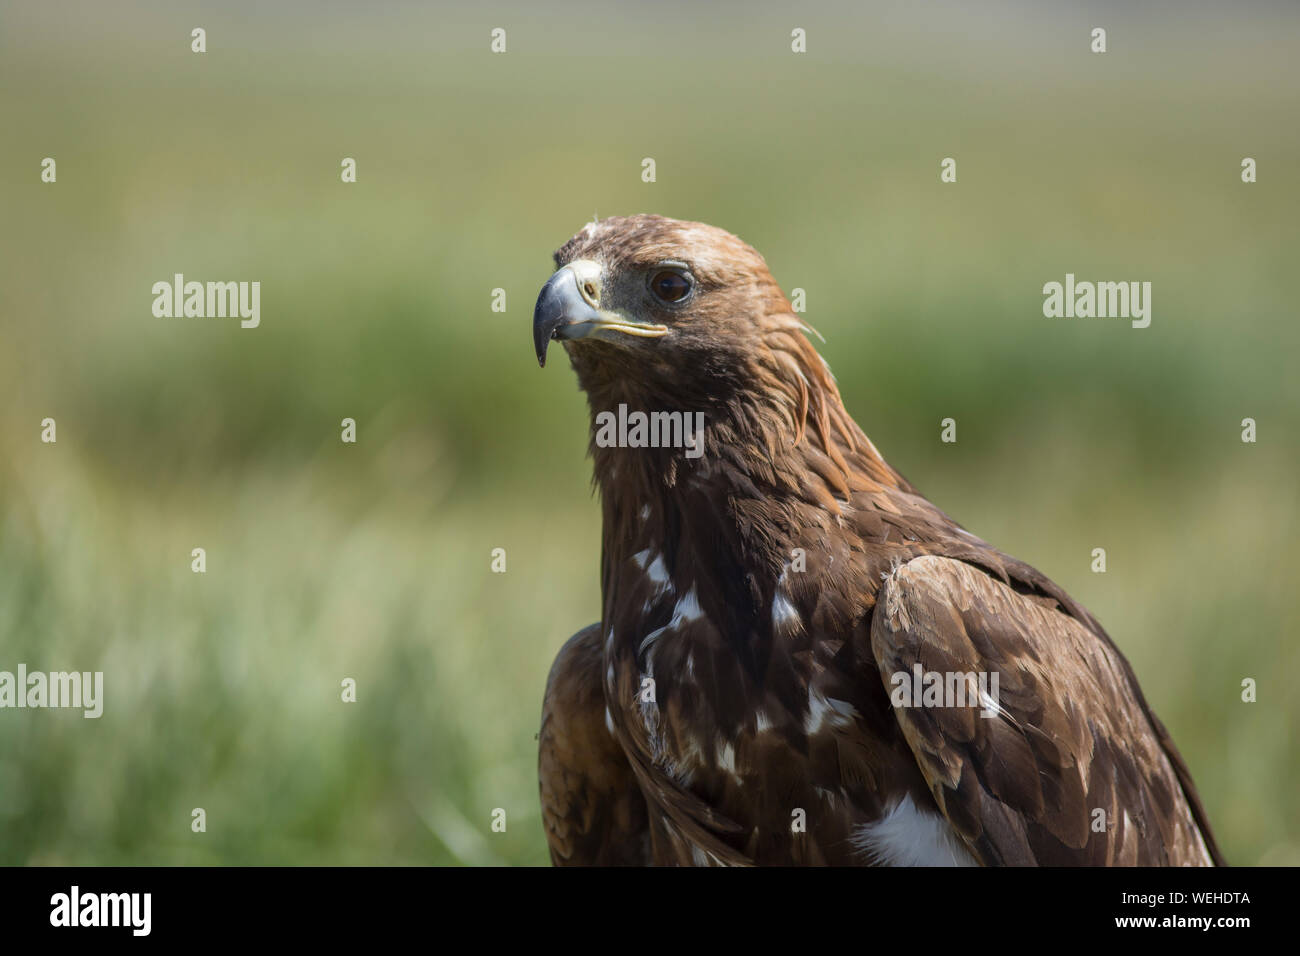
(670, 285)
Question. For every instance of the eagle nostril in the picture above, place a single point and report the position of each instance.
(590, 289)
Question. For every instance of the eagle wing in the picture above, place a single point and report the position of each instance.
(592, 808)
(1071, 736)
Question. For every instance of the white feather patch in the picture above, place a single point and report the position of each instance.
(823, 710)
(785, 617)
(910, 836)
(687, 609)
(657, 572)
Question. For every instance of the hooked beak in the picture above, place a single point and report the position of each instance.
(568, 307)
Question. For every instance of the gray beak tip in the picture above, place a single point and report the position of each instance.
(559, 305)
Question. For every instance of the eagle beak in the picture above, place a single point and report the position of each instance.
(568, 307)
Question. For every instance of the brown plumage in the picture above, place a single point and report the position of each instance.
(774, 586)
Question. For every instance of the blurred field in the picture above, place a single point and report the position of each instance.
(372, 561)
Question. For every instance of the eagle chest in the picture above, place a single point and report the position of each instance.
(684, 698)
(663, 671)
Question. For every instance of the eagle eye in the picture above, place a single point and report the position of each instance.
(670, 285)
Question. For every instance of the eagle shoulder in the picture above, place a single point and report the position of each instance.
(1069, 768)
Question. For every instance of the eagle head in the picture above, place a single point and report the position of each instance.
(658, 299)
(661, 313)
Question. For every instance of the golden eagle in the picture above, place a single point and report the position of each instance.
(772, 677)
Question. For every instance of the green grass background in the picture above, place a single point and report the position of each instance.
(371, 561)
